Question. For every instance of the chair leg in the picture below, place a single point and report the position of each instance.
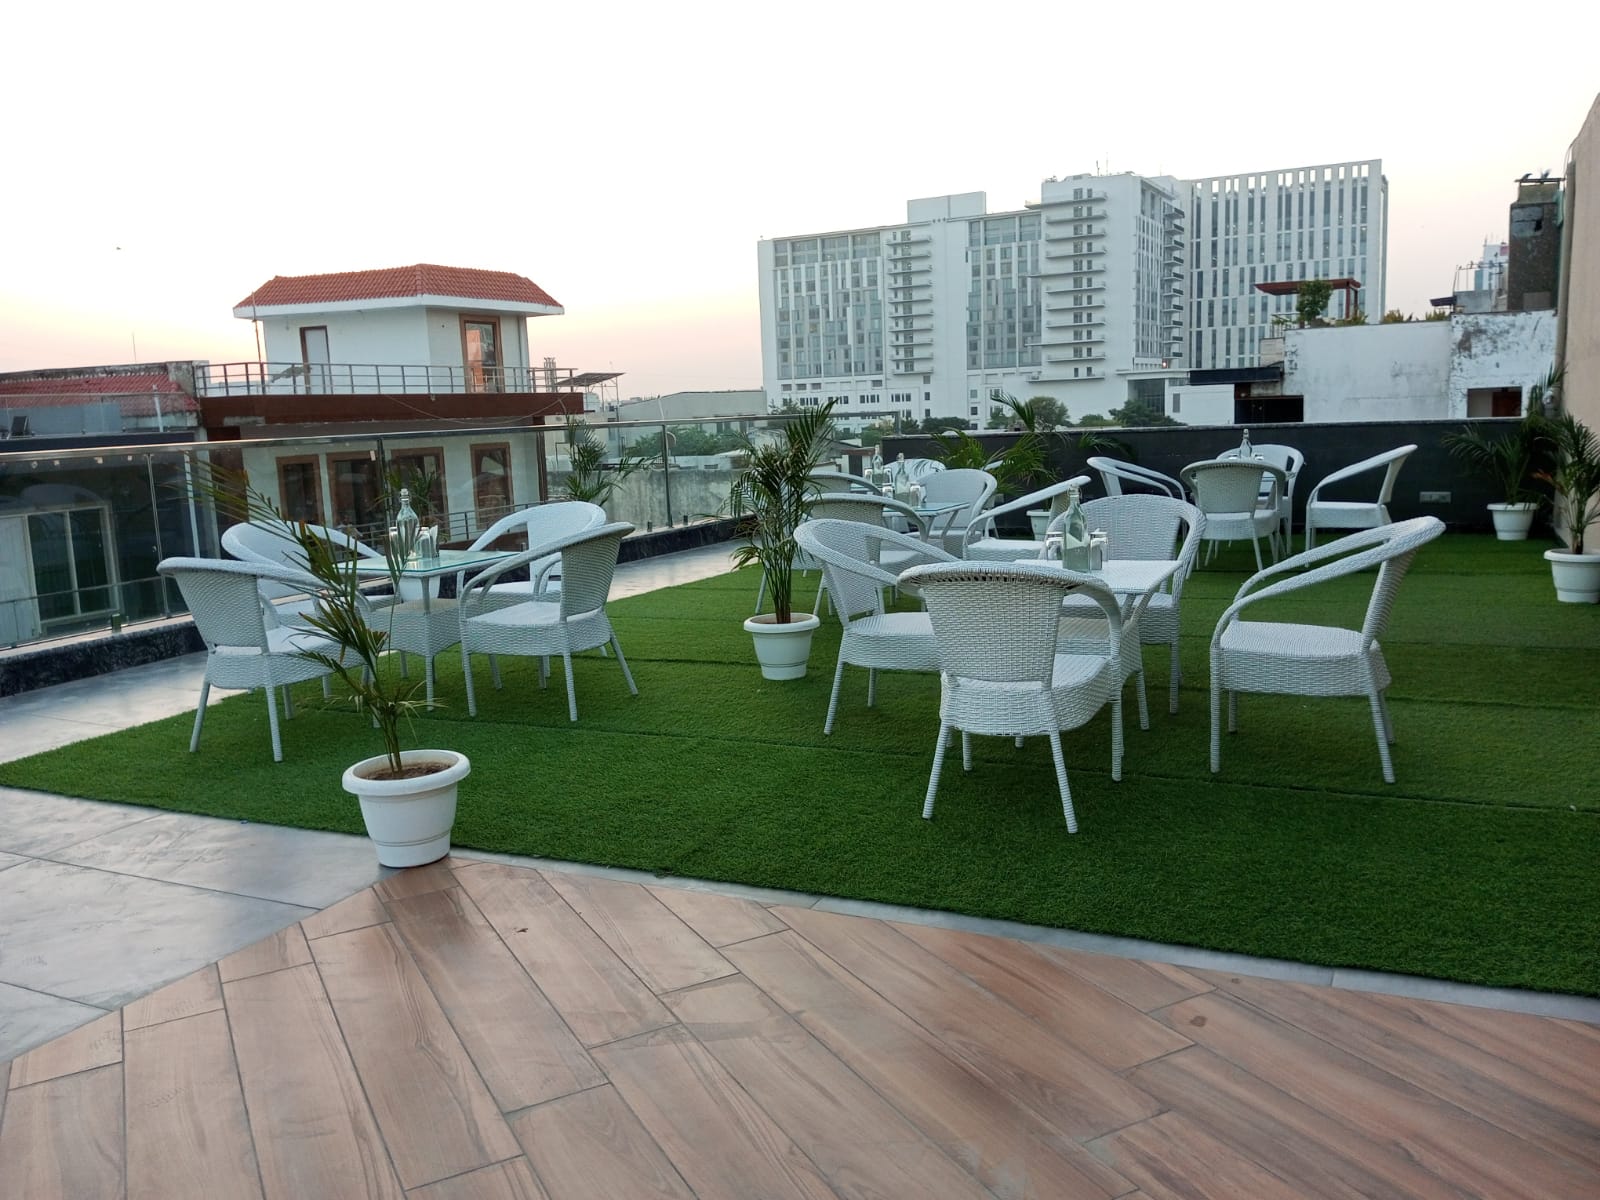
(1172, 680)
(1144, 707)
(1116, 738)
(1061, 781)
(544, 672)
(1255, 544)
(761, 593)
(466, 673)
(1388, 718)
(1233, 712)
(938, 765)
(327, 687)
(822, 597)
(199, 716)
(288, 703)
(427, 674)
(1216, 718)
(572, 687)
(405, 669)
(833, 700)
(623, 663)
(872, 687)
(494, 671)
(1379, 726)
(272, 722)
(966, 751)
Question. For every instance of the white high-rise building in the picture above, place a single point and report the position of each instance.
(1084, 296)
(1325, 222)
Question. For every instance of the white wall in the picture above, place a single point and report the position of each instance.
(385, 335)
(19, 611)
(1499, 350)
(1211, 404)
(1395, 372)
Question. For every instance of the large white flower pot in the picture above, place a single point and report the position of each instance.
(1512, 521)
(1577, 576)
(409, 820)
(782, 650)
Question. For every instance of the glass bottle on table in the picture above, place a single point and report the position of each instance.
(1074, 535)
(877, 474)
(1246, 450)
(406, 525)
(902, 480)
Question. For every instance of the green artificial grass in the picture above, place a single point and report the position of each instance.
(1478, 865)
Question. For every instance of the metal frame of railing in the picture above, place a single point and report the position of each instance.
(418, 379)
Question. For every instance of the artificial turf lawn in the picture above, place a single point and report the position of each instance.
(1479, 864)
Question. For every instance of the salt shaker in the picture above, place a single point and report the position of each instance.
(1099, 545)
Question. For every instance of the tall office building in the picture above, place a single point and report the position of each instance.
(1325, 222)
(1083, 295)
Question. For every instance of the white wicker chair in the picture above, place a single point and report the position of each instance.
(876, 511)
(1001, 674)
(915, 470)
(1151, 527)
(981, 541)
(1290, 461)
(1316, 660)
(1114, 473)
(254, 542)
(1355, 514)
(850, 553)
(538, 524)
(573, 621)
(842, 481)
(964, 485)
(1229, 494)
(242, 649)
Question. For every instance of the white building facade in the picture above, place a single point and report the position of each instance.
(1323, 222)
(1091, 295)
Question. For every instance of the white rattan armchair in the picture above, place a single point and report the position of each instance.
(981, 540)
(1316, 660)
(1229, 494)
(1355, 514)
(876, 511)
(1290, 461)
(572, 621)
(1114, 474)
(539, 524)
(242, 649)
(850, 553)
(1153, 527)
(996, 628)
(269, 545)
(971, 488)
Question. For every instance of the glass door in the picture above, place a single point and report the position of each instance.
(480, 353)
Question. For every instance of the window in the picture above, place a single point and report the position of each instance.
(72, 569)
(357, 490)
(300, 488)
(491, 482)
(480, 354)
(422, 465)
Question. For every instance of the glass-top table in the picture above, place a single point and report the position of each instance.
(448, 562)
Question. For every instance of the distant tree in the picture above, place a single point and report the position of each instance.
(872, 435)
(1395, 317)
(1000, 418)
(1355, 318)
(1039, 414)
(1312, 300)
(940, 424)
(1134, 414)
(1436, 314)
(1049, 413)
(687, 440)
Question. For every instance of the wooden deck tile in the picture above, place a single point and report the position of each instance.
(62, 1139)
(1327, 1159)
(1170, 1158)
(188, 997)
(286, 948)
(188, 1137)
(721, 920)
(1002, 1143)
(1144, 985)
(862, 1145)
(436, 1115)
(660, 949)
(590, 1145)
(414, 881)
(722, 1143)
(1060, 1082)
(354, 912)
(520, 1044)
(1500, 1090)
(97, 1044)
(512, 1180)
(1471, 1153)
(600, 998)
(313, 1132)
(1109, 1030)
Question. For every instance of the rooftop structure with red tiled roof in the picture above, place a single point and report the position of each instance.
(420, 285)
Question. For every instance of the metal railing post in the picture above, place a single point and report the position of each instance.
(666, 472)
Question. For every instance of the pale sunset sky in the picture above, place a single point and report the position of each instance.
(163, 159)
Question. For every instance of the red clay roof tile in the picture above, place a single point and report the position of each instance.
(422, 279)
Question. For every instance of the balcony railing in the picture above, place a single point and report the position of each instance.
(365, 379)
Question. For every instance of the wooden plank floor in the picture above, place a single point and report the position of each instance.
(472, 1031)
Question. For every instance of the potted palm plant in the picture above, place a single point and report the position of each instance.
(1575, 477)
(770, 498)
(408, 797)
(1510, 460)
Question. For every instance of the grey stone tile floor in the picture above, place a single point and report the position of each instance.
(102, 903)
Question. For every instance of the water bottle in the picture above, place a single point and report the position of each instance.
(1246, 451)
(877, 468)
(406, 524)
(902, 482)
(1074, 536)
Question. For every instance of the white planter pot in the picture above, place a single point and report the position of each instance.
(1512, 521)
(782, 650)
(1039, 518)
(1577, 576)
(409, 820)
